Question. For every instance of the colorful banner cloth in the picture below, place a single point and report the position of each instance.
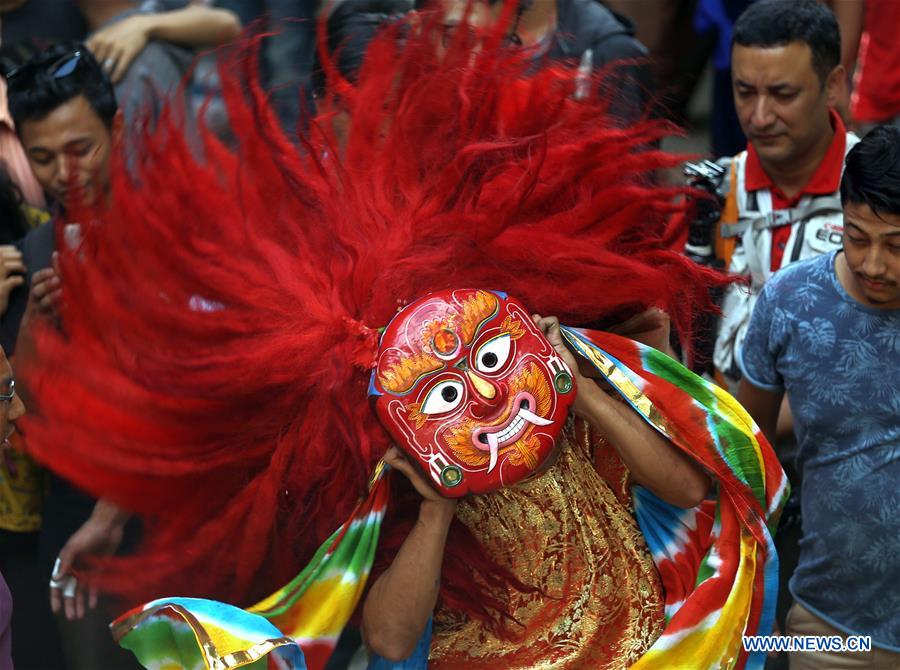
(196, 634)
(309, 613)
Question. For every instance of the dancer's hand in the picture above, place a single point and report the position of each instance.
(549, 326)
(581, 369)
(651, 327)
(397, 460)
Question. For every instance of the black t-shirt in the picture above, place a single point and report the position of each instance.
(42, 22)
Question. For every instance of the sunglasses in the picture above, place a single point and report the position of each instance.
(7, 397)
(55, 66)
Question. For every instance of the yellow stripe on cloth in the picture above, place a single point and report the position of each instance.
(322, 611)
(703, 647)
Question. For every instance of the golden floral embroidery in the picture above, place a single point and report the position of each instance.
(569, 533)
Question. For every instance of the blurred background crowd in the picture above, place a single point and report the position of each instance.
(774, 101)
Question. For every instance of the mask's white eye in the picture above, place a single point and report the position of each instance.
(493, 354)
(442, 398)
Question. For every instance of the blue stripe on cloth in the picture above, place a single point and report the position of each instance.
(659, 521)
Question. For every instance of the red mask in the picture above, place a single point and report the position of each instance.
(469, 388)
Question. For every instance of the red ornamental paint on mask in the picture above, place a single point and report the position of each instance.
(469, 387)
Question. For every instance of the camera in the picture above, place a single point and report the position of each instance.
(709, 177)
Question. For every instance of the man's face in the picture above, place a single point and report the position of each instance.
(468, 386)
(872, 249)
(69, 151)
(478, 15)
(781, 103)
(10, 410)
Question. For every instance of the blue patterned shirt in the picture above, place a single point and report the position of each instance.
(839, 362)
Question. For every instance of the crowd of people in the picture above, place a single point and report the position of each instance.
(108, 100)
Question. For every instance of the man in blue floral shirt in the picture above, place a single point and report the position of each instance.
(827, 332)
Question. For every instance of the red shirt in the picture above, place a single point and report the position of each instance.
(825, 180)
(876, 85)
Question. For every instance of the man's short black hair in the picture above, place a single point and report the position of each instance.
(15, 54)
(350, 28)
(54, 77)
(772, 23)
(872, 171)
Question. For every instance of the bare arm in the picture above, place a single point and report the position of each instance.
(100, 535)
(785, 425)
(194, 26)
(117, 45)
(398, 605)
(650, 458)
(762, 405)
(850, 15)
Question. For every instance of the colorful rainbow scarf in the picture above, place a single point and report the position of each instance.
(717, 561)
(310, 611)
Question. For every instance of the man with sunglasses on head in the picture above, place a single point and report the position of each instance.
(65, 113)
